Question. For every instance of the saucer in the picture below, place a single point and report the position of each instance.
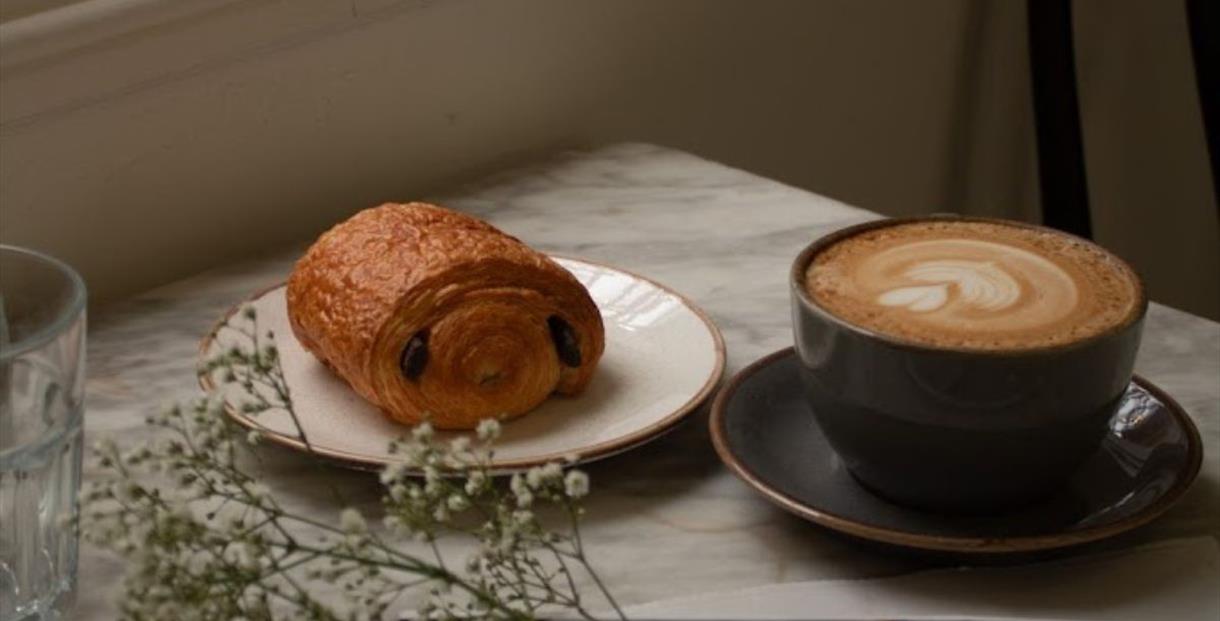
(764, 432)
(663, 358)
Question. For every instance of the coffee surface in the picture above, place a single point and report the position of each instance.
(973, 285)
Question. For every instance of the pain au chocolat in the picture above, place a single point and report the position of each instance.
(435, 315)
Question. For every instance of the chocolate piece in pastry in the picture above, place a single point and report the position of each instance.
(429, 313)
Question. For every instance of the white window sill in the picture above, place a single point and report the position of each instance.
(91, 51)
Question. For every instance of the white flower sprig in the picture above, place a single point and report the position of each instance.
(205, 540)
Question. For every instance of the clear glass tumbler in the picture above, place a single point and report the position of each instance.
(42, 377)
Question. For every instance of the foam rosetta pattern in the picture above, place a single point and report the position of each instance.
(983, 283)
(973, 284)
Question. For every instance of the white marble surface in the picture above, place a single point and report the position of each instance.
(667, 519)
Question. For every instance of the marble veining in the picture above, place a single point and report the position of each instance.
(667, 519)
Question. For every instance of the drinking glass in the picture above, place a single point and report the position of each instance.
(42, 363)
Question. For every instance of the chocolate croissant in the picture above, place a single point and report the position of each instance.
(435, 315)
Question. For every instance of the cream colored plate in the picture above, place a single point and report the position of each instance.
(663, 357)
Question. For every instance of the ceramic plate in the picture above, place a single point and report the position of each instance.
(663, 358)
(764, 431)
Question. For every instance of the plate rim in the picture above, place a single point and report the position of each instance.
(945, 543)
(585, 454)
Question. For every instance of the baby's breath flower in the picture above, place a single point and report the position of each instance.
(432, 480)
(398, 492)
(393, 472)
(518, 485)
(474, 482)
(422, 432)
(244, 556)
(488, 429)
(214, 538)
(534, 478)
(576, 484)
(542, 475)
(521, 490)
(352, 521)
(457, 503)
(525, 499)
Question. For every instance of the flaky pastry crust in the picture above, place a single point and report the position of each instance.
(433, 314)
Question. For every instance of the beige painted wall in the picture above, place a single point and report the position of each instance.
(145, 148)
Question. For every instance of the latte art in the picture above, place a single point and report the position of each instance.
(976, 284)
(969, 284)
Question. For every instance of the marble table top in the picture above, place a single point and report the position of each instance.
(667, 519)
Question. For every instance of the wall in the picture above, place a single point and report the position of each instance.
(1149, 183)
(152, 139)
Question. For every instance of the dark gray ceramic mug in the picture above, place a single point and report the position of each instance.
(956, 430)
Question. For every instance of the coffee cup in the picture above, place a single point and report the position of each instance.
(963, 364)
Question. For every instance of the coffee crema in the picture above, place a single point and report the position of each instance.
(973, 284)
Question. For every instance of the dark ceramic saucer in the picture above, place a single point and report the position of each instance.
(763, 430)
